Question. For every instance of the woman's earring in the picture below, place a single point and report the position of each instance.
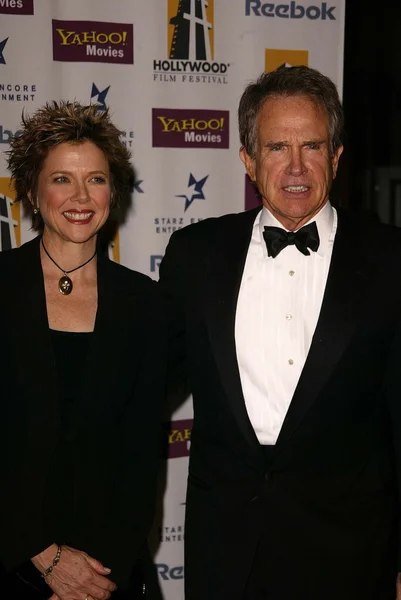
(35, 211)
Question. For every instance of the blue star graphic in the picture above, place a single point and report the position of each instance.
(98, 97)
(137, 186)
(197, 191)
(2, 46)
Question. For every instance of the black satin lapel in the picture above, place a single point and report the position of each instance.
(346, 287)
(23, 301)
(220, 303)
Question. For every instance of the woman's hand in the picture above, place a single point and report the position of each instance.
(76, 576)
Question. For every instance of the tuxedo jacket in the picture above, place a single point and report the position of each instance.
(116, 419)
(327, 505)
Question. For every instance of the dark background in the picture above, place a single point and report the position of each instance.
(369, 176)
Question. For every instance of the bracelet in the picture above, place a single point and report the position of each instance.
(56, 560)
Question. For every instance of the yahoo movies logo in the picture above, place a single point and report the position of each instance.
(275, 58)
(93, 41)
(292, 10)
(16, 7)
(184, 128)
(190, 45)
(178, 438)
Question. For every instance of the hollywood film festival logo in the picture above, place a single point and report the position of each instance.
(16, 7)
(190, 45)
(93, 41)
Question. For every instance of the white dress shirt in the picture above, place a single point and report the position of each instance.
(278, 307)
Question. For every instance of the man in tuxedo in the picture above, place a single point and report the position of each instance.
(284, 320)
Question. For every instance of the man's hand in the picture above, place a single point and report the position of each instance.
(398, 596)
(76, 575)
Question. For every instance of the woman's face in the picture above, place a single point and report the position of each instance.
(74, 191)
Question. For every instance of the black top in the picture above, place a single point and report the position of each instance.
(70, 351)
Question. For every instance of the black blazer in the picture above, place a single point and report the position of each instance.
(116, 419)
(328, 503)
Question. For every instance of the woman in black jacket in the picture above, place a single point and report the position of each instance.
(83, 353)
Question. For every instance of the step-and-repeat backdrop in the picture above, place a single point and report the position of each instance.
(172, 73)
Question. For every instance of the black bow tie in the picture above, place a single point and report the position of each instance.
(277, 239)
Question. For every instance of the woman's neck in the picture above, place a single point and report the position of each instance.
(68, 255)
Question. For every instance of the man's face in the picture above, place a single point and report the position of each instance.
(292, 167)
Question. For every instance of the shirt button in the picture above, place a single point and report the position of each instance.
(291, 273)
(288, 316)
(290, 361)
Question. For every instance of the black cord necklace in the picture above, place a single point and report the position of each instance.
(65, 283)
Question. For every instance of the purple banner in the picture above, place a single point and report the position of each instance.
(16, 7)
(93, 41)
(179, 438)
(190, 128)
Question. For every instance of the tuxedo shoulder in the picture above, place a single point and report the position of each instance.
(205, 228)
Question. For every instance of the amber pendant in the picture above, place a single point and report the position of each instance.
(65, 285)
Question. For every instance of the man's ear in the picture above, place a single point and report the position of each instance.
(335, 159)
(248, 162)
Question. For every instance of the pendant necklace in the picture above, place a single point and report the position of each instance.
(65, 283)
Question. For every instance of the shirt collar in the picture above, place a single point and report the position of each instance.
(326, 222)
